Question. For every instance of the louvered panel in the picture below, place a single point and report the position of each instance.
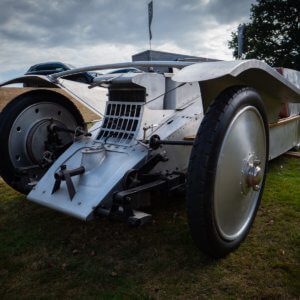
(121, 122)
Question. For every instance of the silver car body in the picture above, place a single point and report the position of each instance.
(173, 107)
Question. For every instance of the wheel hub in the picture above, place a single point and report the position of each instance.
(39, 139)
(30, 140)
(252, 175)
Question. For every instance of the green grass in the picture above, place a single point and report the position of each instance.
(44, 254)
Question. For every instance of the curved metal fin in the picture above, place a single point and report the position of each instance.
(34, 80)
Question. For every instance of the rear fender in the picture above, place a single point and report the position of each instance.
(31, 80)
(94, 99)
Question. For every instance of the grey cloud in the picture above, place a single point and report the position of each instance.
(229, 10)
(80, 31)
(74, 22)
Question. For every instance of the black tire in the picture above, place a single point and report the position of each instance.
(203, 166)
(9, 114)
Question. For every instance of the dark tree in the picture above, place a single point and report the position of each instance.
(273, 33)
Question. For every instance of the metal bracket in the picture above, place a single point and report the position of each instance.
(132, 217)
(52, 128)
(121, 205)
(140, 176)
(155, 141)
(66, 175)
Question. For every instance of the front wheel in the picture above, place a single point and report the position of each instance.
(227, 170)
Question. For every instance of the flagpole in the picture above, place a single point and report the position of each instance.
(150, 17)
(150, 58)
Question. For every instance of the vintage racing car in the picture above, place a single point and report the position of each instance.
(210, 127)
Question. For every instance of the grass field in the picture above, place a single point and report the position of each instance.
(44, 254)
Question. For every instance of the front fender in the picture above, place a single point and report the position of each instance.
(214, 77)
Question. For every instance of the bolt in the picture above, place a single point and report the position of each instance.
(256, 187)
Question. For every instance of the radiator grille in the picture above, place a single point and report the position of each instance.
(121, 122)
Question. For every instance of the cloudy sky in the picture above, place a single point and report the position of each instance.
(88, 32)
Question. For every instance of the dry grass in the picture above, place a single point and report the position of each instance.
(7, 94)
(44, 254)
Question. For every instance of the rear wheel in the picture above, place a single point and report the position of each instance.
(27, 146)
(227, 171)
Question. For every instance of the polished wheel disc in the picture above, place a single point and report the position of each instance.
(239, 174)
